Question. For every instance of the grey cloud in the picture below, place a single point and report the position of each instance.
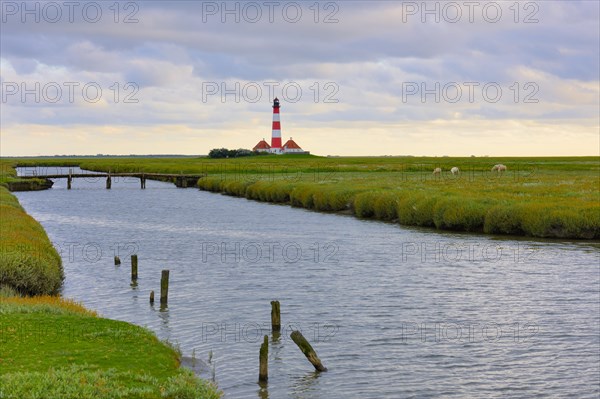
(369, 53)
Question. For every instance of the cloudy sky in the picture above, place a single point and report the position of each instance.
(354, 78)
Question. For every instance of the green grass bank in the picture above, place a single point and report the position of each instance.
(29, 264)
(54, 348)
(553, 197)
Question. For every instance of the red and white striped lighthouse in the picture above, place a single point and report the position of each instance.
(276, 148)
(276, 136)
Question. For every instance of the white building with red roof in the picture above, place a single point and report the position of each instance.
(262, 146)
(291, 146)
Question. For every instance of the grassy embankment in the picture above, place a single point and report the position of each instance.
(9, 179)
(540, 197)
(51, 347)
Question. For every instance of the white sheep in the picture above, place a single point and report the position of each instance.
(455, 171)
(437, 171)
(499, 168)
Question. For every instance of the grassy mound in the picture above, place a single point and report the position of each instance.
(54, 348)
(29, 263)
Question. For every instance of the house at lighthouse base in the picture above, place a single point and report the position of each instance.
(262, 146)
(290, 147)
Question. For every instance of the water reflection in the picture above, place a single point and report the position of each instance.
(164, 317)
(305, 387)
(275, 347)
(263, 392)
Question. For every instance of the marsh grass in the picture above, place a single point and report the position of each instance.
(50, 304)
(29, 264)
(76, 355)
(541, 197)
(543, 208)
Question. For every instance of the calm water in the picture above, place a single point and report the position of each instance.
(392, 312)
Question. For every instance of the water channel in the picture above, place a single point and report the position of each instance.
(393, 312)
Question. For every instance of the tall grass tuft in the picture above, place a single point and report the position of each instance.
(386, 205)
(407, 209)
(459, 214)
(210, 184)
(235, 188)
(502, 219)
(278, 192)
(302, 196)
(50, 304)
(544, 220)
(364, 204)
(417, 210)
(332, 199)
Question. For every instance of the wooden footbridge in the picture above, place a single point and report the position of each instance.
(180, 180)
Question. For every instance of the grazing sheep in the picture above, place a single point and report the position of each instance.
(499, 168)
(437, 171)
(455, 171)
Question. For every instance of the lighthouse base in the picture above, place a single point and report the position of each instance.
(283, 151)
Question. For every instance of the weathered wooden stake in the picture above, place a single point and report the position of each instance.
(308, 351)
(275, 316)
(134, 267)
(263, 358)
(143, 181)
(151, 297)
(108, 182)
(117, 260)
(69, 179)
(164, 287)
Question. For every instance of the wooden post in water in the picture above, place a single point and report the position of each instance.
(308, 351)
(69, 179)
(164, 287)
(151, 297)
(143, 181)
(117, 261)
(134, 267)
(275, 316)
(263, 361)
(108, 181)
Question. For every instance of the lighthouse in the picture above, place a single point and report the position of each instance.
(290, 147)
(276, 134)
